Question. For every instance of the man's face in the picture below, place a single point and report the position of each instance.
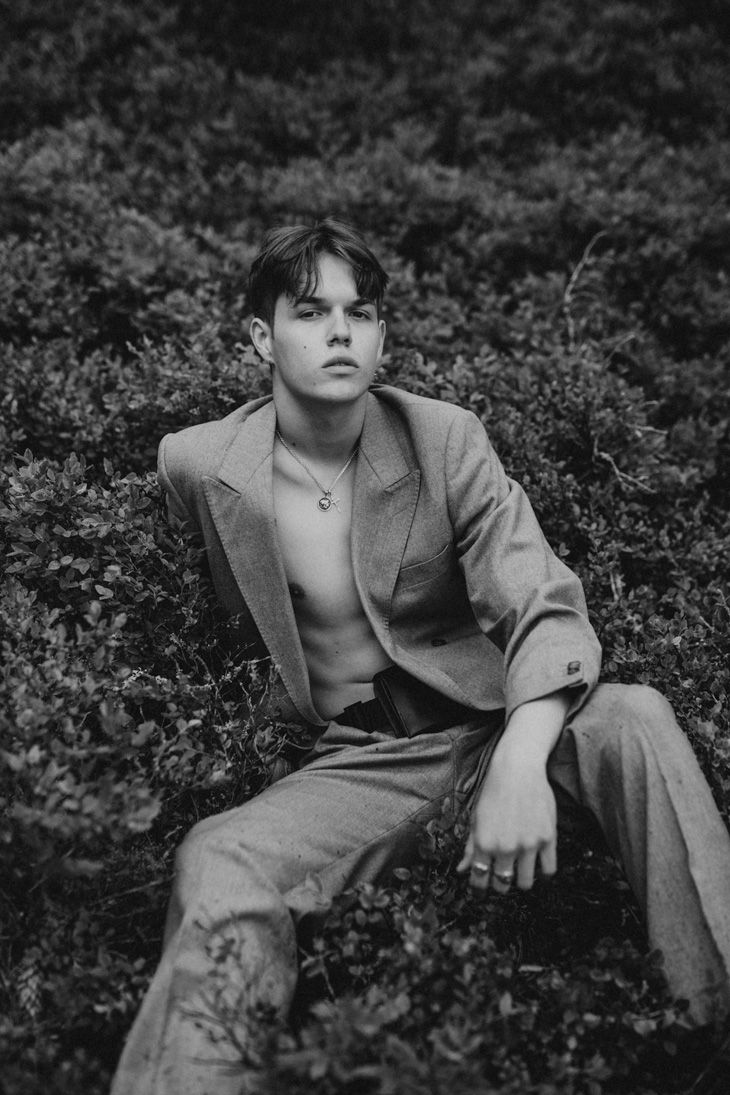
(326, 347)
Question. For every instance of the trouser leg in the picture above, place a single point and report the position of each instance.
(244, 878)
(624, 757)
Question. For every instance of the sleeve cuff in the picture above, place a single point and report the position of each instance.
(577, 675)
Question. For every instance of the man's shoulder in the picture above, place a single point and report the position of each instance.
(426, 424)
(419, 409)
(203, 445)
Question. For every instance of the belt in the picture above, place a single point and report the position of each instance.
(404, 706)
(367, 715)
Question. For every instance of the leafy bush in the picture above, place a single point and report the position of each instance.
(125, 708)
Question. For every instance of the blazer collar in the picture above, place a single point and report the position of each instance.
(251, 448)
(241, 505)
(386, 492)
(381, 446)
(253, 445)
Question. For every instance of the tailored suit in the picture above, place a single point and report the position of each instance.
(463, 592)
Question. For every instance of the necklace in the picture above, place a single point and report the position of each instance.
(326, 501)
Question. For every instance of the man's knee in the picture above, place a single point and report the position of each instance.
(192, 853)
(213, 851)
(226, 853)
(628, 703)
(640, 703)
(620, 716)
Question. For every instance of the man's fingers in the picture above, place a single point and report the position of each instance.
(500, 872)
(549, 858)
(525, 875)
(477, 863)
(503, 873)
(480, 871)
(465, 862)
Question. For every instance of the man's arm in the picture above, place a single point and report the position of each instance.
(532, 606)
(525, 600)
(514, 821)
(176, 508)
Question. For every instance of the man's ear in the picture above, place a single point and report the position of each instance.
(262, 337)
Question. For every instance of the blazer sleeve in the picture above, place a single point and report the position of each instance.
(176, 508)
(527, 602)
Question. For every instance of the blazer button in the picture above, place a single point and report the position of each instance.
(439, 642)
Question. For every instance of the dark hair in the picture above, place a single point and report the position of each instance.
(287, 264)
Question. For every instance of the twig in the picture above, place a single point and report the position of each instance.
(573, 281)
(153, 883)
(621, 475)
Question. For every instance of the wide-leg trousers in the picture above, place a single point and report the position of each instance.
(355, 810)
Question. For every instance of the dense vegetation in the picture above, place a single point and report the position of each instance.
(548, 182)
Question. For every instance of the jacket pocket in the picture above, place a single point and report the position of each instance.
(417, 573)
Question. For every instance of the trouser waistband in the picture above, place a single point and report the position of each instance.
(405, 706)
(367, 715)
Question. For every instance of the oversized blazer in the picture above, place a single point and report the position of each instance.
(453, 571)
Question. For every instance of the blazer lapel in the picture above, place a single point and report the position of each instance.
(386, 493)
(241, 504)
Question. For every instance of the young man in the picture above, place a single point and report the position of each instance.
(371, 543)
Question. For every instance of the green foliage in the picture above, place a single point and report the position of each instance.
(548, 184)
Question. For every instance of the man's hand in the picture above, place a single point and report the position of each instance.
(514, 821)
(514, 825)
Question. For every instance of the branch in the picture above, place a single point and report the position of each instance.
(573, 281)
(622, 477)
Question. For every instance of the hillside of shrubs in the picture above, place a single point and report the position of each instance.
(548, 183)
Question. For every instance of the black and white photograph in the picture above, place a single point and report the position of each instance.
(364, 547)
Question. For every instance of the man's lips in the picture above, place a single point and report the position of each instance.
(341, 360)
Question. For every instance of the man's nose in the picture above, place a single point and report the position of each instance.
(339, 327)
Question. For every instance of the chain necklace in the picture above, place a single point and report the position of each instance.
(326, 501)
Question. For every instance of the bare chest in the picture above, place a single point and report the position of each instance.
(315, 547)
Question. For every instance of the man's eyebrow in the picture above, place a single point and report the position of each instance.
(359, 302)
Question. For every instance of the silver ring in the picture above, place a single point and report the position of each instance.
(505, 877)
(481, 868)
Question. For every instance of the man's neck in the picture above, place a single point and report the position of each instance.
(326, 433)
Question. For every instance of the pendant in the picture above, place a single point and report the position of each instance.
(325, 502)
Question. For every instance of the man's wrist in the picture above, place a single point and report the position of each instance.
(532, 732)
(521, 751)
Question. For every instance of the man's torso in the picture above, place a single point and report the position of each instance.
(340, 647)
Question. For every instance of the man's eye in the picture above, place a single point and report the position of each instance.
(359, 313)
(309, 313)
